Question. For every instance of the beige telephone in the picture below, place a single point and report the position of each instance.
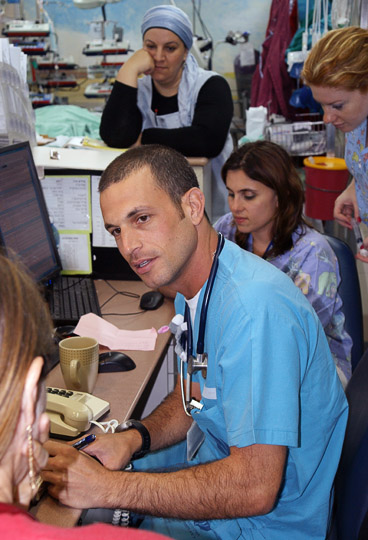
(71, 412)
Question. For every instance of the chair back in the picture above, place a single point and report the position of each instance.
(351, 483)
(349, 291)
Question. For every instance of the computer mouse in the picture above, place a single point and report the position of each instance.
(112, 361)
(62, 332)
(151, 300)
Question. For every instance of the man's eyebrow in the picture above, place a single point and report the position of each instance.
(138, 210)
(131, 214)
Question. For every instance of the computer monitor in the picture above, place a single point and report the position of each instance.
(107, 262)
(24, 221)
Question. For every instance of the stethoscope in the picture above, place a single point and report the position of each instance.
(199, 362)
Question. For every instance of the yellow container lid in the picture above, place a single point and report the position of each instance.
(326, 163)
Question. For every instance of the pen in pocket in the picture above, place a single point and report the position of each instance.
(82, 443)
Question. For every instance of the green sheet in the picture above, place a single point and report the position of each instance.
(70, 120)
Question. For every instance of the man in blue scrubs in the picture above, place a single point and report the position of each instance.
(257, 455)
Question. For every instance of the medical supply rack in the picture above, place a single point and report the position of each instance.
(300, 138)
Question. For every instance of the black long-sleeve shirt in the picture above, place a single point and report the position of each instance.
(121, 121)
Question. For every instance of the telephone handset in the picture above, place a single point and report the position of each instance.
(67, 417)
(70, 412)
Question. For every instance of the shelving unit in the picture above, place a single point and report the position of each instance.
(45, 70)
(17, 121)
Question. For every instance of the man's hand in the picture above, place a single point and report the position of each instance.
(75, 479)
(114, 450)
(346, 206)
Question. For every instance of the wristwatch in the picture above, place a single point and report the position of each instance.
(146, 439)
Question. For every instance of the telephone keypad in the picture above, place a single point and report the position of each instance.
(59, 391)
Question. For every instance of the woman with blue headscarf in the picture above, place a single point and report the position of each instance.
(176, 103)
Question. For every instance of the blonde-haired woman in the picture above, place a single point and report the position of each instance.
(336, 70)
(25, 343)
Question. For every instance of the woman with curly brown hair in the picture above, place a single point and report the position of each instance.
(266, 199)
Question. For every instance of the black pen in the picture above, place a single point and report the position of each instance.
(82, 443)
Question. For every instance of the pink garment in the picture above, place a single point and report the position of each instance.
(15, 524)
(271, 83)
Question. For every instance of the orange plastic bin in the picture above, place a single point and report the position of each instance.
(325, 179)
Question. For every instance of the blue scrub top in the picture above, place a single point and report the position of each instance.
(270, 380)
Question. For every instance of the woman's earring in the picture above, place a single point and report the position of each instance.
(34, 481)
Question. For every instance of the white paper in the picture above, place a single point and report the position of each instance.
(68, 201)
(75, 252)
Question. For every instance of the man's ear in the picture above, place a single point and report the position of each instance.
(193, 203)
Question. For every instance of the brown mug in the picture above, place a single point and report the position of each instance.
(79, 362)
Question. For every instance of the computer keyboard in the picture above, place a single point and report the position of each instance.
(71, 297)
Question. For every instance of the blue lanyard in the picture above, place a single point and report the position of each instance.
(206, 301)
(250, 246)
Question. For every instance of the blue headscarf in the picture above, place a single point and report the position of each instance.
(172, 18)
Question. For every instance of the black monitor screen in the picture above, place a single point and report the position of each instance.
(24, 222)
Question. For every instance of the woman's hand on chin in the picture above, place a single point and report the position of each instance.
(141, 62)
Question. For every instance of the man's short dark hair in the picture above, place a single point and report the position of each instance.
(169, 168)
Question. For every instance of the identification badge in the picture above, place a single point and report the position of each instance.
(195, 438)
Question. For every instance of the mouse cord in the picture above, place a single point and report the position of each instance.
(125, 293)
(117, 292)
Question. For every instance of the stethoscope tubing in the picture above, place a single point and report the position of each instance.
(207, 294)
(205, 304)
(202, 324)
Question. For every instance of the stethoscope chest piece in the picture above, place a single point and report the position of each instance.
(198, 363)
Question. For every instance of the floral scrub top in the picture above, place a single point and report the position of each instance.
(356, 157)
(313, 267)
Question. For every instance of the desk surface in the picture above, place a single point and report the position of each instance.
(123, 390)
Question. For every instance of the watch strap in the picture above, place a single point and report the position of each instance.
(144, 433)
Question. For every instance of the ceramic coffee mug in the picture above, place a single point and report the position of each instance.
(79, 362)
